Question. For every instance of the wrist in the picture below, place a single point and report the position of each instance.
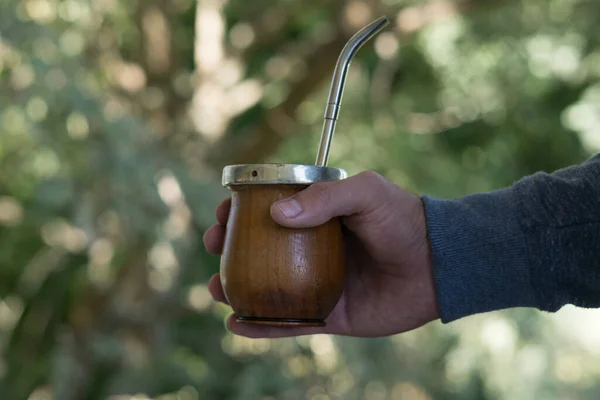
(426, 264)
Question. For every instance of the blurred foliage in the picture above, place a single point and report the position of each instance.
(116, 118)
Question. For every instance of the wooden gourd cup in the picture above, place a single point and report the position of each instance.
(280, 276)
(274, 275)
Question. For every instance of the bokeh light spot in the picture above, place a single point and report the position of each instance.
(242, 35)
(41, 393)
(41, 11)
(46, 50)
(22, 76)
(13, 120)
(408, 391)
(131, 77)
(386, 45)
(37, 109)
(11, 211)
(11, 309)
(71, 43)
(60, 232)
(357, 14)
(70, 10)
(199, 297)
(77, 126)
(375, 390)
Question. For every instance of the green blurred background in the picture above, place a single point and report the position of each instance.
(116, 118)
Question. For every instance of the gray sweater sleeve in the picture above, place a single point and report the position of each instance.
(534, 244)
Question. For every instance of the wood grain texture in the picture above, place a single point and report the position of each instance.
(275, 275)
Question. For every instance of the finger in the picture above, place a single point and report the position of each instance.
(222, 211)
(213, 239)
(216, 289)
(322, 201)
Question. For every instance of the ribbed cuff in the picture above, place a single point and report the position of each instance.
(479, 252)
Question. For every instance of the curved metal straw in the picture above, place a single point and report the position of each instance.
(337, 84)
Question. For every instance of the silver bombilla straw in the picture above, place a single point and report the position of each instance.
(337, 84)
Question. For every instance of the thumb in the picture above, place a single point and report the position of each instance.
(320, 202)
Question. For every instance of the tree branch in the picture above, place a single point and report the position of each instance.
(160, 61)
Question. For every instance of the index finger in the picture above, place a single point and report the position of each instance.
(222, 211)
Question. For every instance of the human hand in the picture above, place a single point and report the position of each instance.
(389, 285)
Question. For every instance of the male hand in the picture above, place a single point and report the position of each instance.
(389, 285)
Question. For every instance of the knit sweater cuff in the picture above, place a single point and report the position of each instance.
(479, 254)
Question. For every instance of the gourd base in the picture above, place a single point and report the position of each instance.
(280, 322)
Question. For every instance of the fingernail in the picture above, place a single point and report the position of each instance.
(290, 208)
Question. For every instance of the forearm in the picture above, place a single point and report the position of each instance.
(534, 244)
